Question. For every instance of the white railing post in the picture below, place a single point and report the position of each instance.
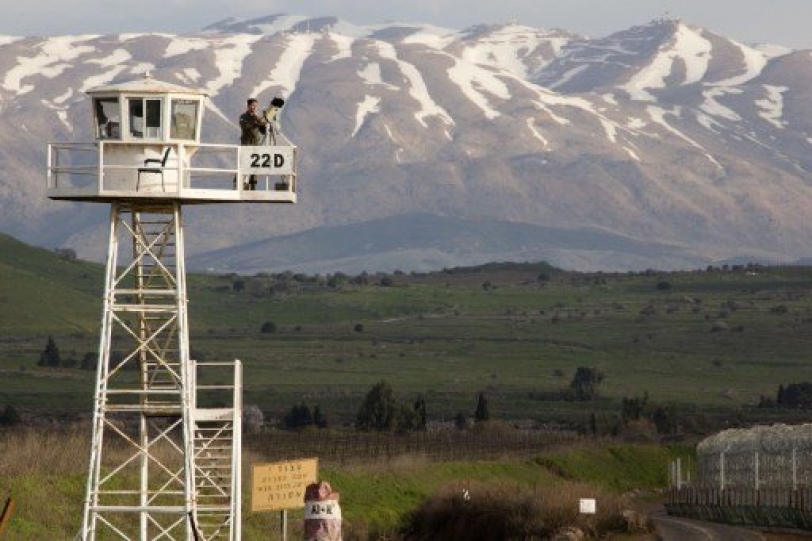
(100, 180)
(49, 182)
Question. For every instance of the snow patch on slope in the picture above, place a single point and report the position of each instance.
(712, 106)
(54, 57)
(182, 45)
(689, 47)
(116, 58)
(502, 49)
(371, 75)
(344, 45)
(475, 82)
(417, 86)
(657, 114)
(288, 69)
(772, 107)
(229, 54)
(754, 62)
(367, 107)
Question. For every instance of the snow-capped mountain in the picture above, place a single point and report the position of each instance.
(663, 145)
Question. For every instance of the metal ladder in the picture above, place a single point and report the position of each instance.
(217, 446)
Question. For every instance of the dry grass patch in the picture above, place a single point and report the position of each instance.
(509, 511)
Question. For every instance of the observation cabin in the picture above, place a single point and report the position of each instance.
(147, 146)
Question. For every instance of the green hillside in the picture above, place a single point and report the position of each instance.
(710, 341)
(43, 293)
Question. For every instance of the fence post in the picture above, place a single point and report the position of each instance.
(671, 474)
(722, 470)
(794, 469)
(755, 469)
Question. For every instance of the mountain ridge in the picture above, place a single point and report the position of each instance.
(664, 133)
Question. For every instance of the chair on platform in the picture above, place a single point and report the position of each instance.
(157, 167)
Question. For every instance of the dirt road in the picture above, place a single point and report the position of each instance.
(683, 529)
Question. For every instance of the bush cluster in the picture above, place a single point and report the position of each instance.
(498, 511)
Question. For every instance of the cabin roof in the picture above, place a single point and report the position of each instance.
(147, 85)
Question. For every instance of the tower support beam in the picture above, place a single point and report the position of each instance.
(141, 479)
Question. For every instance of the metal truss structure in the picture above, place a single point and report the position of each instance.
(162, 464)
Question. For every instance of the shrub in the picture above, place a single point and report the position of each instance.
(381, 411)
(482, 412)
(584, 385)
(268, 327)
(500, 511)
(9, 416)
(50, 355)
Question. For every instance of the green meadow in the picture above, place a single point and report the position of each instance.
(710, 340)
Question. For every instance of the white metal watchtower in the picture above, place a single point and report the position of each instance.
(164, 463)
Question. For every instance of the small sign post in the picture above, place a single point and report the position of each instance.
(279, 486)
(588, 506)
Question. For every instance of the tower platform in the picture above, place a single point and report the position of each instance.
(107, 171)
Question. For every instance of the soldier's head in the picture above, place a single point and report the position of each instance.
(252, 104)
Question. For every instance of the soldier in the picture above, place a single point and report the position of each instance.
(253, 128)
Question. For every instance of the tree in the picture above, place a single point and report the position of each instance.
(299, 417)
(665, 420)
(408, 419)
(50, 355)
(379, 409)
(635, 408)
(319, 419)
(584, 385)
(482, 412)
(420, 411)
(10, 416)
(268, 327)
(89, 361)
(797, 395)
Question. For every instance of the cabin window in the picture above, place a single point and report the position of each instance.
(108, 118)
(144, 117)
(184, 119)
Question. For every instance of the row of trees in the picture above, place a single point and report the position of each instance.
(794, 395)
(382, 411)
(51, 357)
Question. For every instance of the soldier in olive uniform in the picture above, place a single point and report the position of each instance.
(253, 127)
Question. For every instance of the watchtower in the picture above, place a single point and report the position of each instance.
(164, 463)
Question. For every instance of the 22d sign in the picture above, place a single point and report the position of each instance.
(263, 160)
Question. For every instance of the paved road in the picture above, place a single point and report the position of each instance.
(684, 529)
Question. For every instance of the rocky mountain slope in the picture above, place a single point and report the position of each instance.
(663, 145)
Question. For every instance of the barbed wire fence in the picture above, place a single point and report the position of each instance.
(760, 476)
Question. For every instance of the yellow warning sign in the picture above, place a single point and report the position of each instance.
(281, 485)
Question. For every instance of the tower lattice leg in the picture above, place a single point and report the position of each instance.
(141, 482)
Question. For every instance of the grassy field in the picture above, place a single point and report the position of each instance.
(710, 341)
(376, 498)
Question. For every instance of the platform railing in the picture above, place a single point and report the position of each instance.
(200, 171)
